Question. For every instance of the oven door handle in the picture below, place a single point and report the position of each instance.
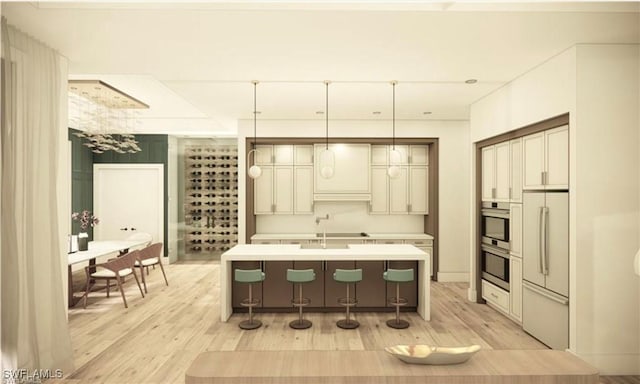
(495, 251)
(494, 213)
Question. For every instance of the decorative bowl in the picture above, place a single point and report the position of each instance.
(426, 354)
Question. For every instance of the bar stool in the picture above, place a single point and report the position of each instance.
(348, 276)
(249, 276)
(398, 276)
(300, 276)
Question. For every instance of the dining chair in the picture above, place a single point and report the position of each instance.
(150, 256)
(114, 269)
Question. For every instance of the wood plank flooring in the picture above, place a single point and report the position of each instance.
(157, 338)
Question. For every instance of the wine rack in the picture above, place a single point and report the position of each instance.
(211, 198)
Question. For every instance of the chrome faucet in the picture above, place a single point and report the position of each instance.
(324, 230)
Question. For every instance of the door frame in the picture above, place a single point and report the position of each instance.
(159, 168)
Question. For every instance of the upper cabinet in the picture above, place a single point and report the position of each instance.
(351, 172)
(546, 159)
(515, 193)
(501, 172)
(408, 193)
(496, 172)
(286, 184)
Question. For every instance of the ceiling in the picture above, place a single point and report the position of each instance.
(193, 63)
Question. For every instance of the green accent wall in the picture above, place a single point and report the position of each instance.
(154, 150)
(81, 179)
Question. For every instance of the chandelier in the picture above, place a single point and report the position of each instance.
(104, 115)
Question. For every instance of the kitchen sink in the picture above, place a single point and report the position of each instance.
(328, 246)
(343, 234)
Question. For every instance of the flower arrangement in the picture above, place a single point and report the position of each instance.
(85, 218)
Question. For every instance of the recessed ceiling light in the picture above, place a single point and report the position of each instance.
(426, 112)
(471, 81)
(319, 112)
(258, 112)
(377, 112)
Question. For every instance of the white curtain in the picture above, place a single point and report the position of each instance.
(33, 306)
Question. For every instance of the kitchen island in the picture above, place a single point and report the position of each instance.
(387, 253)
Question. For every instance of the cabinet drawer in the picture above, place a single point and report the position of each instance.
(420, 243)
(388, 241)
(495, 296)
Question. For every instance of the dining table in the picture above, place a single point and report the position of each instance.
(97, 249)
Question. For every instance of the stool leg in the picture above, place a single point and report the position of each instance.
(397, 323)
(300, 323)
(347, 323)
(251, 323)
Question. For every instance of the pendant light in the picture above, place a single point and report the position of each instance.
(327, 159)
(394, 154)
(254, 171)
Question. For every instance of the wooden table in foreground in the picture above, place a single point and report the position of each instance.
(377, 367)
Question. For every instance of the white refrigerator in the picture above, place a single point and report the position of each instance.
(545, 264)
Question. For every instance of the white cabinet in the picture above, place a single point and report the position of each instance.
(303, 155)
(350, 175)
(379, 190)
(496, 296)
(496, 171)
(398, 193)
(515, 193)
(273, 191)
(303, 192)
(419, 190)
(283, 190)
(419, 155)
(399, 154)
(546, 159)
(515, 288)
(379, 155)
(263, 192)
(488, 172)
(264, 154)
(515, 229)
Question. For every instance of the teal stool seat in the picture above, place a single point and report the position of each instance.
(398, 276)
(348, 276)
(249, 276)
(300, 276)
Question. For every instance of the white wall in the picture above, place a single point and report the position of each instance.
(598, 86)
(607, 161)
(454, 173)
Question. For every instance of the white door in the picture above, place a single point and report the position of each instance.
(557, 158)
(533, 203)
(503, 171)
(379, 191)
(263, 192)
(283, 190)
(419, 190)
(303, 193)
(398, 193)
(533, 160)
(488, 173)
(128, 199)
(516, 171)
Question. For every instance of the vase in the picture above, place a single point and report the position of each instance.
(83, 241)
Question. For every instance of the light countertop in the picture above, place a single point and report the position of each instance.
(312, 236)
(285, 252)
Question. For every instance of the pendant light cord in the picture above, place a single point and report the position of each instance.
(255, 113)
(393, 114)
(326, 115)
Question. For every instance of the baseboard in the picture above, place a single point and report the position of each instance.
(453, 277)
(612, 364)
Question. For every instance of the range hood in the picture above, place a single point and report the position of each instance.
(342, 197)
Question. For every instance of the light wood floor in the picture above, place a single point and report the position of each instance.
(157, 338)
